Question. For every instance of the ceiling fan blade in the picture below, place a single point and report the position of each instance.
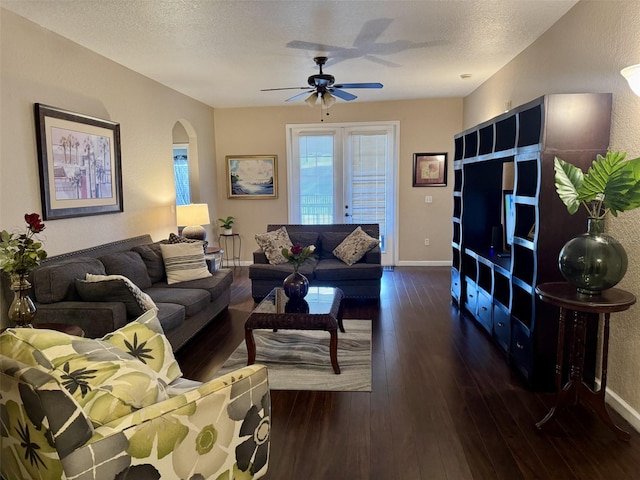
(285, 88)
(295, 97)
(359, 85)
(342, 94)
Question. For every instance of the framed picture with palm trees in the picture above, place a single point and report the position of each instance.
(79, 162)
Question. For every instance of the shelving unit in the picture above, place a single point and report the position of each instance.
(498, 291)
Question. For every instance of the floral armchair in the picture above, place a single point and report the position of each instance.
(118, 408)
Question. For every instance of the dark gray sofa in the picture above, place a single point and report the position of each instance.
(183, 308)
(360, 280)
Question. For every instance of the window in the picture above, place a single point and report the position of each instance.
(181, 173)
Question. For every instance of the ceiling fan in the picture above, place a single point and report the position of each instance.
(322, 86)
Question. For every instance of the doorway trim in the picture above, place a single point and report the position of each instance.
(394, 184)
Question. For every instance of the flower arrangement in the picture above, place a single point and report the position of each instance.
(298, 254)
(20, 253)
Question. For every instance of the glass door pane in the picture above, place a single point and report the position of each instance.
(367, 189)
(316, 179)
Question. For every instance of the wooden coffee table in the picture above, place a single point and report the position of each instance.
(321, 309)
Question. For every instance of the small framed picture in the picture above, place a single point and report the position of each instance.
(79, 162)
(252, 176)
(429, 169)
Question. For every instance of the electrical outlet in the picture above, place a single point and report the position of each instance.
(428, 199)
(426, 242)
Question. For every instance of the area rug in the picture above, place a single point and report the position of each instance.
(299, 359)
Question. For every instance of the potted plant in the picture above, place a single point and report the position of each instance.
(19, 254)
(226, 225)
(594, 261)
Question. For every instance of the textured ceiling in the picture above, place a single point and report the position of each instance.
(223, 52)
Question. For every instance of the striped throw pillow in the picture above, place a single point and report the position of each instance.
(184, 262)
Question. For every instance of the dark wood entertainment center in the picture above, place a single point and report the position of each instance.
(497, 288)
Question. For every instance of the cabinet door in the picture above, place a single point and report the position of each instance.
(455, 285)
(502, 326)
(485, 310)
(471, 297)
(521, 348)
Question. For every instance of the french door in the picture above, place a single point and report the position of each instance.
(344, 173)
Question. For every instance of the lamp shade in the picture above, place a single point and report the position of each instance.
(192, 217)
(312, 99)
(328, 100)
(632, 74)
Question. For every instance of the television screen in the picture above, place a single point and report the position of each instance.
(509, 217)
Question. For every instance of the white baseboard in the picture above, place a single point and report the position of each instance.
(623, 408)
(424, 263)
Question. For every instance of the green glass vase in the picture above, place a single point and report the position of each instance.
(22, 309)
(593, 261)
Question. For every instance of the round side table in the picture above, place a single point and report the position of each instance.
(565, 296)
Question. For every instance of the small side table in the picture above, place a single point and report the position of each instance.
(231, 256)
(213, 257)
(565, 296)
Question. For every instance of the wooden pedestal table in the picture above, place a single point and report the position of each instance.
(565, 296)
(60, 327)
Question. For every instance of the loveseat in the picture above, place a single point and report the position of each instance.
(62, 294)
(118, 408)
(361, 279)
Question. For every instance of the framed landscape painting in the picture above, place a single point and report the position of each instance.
(429, 169)
(252, 176)
(79, 162)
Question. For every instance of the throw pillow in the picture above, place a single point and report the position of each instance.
(355, 246)
(128, 264)
(173, 239)
(184, 262)
(144, 339)
(105, 381)
(120, 282)
(114, 288)
(272, 244)
(152, 257)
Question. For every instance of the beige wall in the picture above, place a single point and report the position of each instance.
(425, 126)
(584, 52)
(38, 66)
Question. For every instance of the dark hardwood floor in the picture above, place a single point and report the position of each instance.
(444, 405)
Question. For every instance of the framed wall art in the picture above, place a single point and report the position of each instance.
(429, 169)
(79, 161)
(252, 176)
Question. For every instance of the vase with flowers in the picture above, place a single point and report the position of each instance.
(296, 285)
(19, 254)
(594, 261)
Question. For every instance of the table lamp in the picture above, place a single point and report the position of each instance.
(192, 217)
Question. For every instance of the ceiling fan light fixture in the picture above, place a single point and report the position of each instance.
(632, 75)
(328, 100)
(312, 99)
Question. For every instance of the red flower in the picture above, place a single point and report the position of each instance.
(296, 249)
(34, 222)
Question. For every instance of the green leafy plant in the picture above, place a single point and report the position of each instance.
(226, 223)
(298, 254)
(612, 184)
(20, 253)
